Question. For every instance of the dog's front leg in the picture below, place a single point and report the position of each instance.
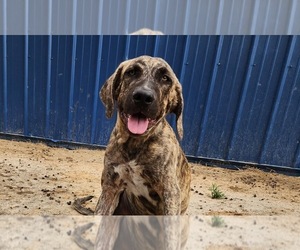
(172, 200)
(108, 201)
(111, 189)
(171, 195)
(172, 207)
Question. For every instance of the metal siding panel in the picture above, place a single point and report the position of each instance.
(242, 99)
(211, 15)
(96, 103)
(225, 88)
(140, 14)
(297, 157)
(37, 11)
(114, 17)
(59, 89)
(191, 17)
(172, 49)
(62, 16)
(140, 45)
(16, 20)
(160, 16)
(71, 111)
(48, 87)
(178, 10)
(281, 18)
(210, 92)
(239, 24)
(3, 89)
(293, 26)
(282, 142)
(194, 9)
(26, 86)
(86, 17)
(37, 84)
(81, 99)
(113, 53)
(196, 84)
(256, 107)
(3, 17)
(15, 84)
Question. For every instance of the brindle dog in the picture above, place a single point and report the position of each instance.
(145, 170)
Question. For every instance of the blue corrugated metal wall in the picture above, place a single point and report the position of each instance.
(242, 93)
(172, 17)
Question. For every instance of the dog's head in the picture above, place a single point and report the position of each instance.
(144, 89)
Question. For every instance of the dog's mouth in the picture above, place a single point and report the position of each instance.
(138, 123)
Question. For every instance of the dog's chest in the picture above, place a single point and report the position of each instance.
(131, 177)
(139, 187)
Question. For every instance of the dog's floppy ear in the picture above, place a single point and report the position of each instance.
(109, 91)
(177, 107)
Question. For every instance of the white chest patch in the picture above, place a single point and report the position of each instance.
(131, 174)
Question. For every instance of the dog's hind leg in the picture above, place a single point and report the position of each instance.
(78, 205)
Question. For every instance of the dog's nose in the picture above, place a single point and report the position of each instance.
(143, 96)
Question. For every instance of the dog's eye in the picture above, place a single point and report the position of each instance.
(165, 78)
(131, 72)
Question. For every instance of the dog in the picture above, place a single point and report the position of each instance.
(145, 170)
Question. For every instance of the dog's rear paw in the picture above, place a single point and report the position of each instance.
(78, 205)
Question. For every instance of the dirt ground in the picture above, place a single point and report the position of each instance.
(36, 179)
(38, 184)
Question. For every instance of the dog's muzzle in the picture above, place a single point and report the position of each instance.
(140, 111)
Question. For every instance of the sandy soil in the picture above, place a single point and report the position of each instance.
(36, 179)
(38, 182)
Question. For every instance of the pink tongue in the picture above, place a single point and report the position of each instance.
(137, 125)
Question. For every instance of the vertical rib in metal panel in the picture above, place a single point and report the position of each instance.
(3, 89)
(96, 91)
(48, 59)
